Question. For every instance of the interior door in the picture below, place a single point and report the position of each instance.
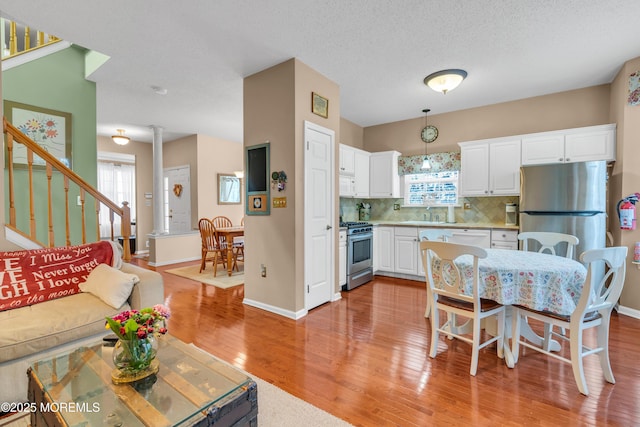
(177, 190)
(319, 215)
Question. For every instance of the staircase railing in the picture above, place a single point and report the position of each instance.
(13, 135)
(27, 43)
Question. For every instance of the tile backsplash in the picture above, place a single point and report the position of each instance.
(482, 210)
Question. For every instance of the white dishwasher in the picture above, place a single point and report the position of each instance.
(475, 237)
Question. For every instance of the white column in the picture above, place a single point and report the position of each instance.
(158, 182)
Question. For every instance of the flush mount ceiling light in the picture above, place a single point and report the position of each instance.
(445, 80)
(120, 139)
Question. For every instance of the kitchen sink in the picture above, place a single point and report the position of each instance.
(418, 222)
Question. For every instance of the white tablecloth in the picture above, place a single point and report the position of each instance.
(531, 279)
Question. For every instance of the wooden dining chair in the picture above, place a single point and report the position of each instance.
(593, 310)
(549, 241)
(223, 222)
(210, 248)
(435, 234)
(238, 243)
(446, 285)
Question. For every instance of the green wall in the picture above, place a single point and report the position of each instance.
(57, 82)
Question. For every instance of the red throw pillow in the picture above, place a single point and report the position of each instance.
(32, 276)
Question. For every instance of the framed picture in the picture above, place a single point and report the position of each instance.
(319, 105)
(257, 166)
(51, 129)
(228, 189)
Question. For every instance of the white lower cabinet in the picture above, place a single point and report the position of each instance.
(504, 239)
(384, 246)
(342, 255)
(406, 250)
(475, 237)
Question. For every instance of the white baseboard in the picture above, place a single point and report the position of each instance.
(336, 297)
(629, 312)
(277, 310)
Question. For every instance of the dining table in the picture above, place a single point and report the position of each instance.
(229, 234)
(539, 281)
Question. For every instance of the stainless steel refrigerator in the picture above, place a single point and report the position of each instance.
(566, 198)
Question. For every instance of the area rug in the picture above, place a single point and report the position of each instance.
(222, 280)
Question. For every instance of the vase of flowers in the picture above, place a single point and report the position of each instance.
(135, 351)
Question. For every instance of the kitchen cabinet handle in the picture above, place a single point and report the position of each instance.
(560, 159)
(568, 159)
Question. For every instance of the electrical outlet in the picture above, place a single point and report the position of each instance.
(79, 202)
(467, 205)
(263, 270)
(396, 206)
(147, 243)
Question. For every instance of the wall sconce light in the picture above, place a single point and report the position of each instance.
(445, 80)
(120, 139)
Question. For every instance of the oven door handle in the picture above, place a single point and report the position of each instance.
(359, 237)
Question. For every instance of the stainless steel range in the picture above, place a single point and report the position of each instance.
(359, 253)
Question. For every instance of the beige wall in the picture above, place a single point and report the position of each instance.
(276, 104)
(351, 134)
(217, 156)
(577, 108)
(626, 174)
(144, 183)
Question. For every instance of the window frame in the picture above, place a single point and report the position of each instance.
(436, 181)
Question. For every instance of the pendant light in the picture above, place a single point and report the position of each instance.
(425, 163)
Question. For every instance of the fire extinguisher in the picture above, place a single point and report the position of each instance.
(627, 211)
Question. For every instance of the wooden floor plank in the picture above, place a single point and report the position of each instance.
(365, 359)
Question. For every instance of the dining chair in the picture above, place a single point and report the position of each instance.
(549, 241)
(222, 222)
(238, 242)
(209, 245)
(446, 286)
(435, 234)
(593, 310)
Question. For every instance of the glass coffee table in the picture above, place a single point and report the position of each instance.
(190, 388)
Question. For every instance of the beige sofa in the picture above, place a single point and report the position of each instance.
(36, 332)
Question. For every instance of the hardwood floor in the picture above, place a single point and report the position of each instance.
(365, 359)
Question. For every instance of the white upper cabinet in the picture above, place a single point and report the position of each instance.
(490, 167)
(570, 145)
(361, 183)
(384, 181)
(354, 172)
(347, 160)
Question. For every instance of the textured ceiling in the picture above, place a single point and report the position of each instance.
(377, 51)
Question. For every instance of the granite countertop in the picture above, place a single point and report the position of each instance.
(470, 225)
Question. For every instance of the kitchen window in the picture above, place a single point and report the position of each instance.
(431, 189)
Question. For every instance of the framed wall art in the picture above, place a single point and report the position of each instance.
(51, 129)
(257, 167)
(228, 189)
(319, 105)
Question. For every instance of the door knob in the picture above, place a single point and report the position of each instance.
(329, 227)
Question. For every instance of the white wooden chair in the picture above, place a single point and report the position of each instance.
(549, 241)
(438, 261)
(592, 311)
(435, 234)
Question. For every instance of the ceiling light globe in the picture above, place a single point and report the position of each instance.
(445, 80)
